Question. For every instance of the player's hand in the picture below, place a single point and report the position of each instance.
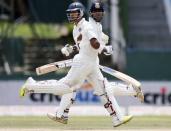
(108, 50)
(105, 38)
(67, 49)
(75, 48)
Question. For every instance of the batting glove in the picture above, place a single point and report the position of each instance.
(105, 38)
(108, 50)
(67, 50)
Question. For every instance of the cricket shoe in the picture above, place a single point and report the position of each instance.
(126, 119)
(61, 119)
(23, 90)
(139, 92)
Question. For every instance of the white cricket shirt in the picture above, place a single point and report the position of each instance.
(98, 30)
(82, 34)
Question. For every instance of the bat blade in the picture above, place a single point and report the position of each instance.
(121, 76)
(46, 69)
(53, 67)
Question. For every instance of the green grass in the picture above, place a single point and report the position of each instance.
(85, 123)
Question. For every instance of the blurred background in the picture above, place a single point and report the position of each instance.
(32, 33)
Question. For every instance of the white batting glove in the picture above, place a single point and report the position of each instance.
(105, 38)
(108, 50)
(67, 50)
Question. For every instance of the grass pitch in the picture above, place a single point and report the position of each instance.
(12, 123)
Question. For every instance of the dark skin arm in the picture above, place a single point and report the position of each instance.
(94, 43)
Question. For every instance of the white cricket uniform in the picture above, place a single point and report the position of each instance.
(118, 88)
(85, 63)
(82, 33)
(97, 27)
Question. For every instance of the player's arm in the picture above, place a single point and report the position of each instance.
(69, 50)
(107, 50)
(95, 43)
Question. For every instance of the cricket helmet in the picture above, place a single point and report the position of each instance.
(97, 11)
(75, 11)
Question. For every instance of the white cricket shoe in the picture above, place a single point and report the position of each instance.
(126, 119)
(139, 92)
(61, 119)
(23, 90)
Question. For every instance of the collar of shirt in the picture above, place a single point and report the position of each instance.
(80, 22)
(93, 21)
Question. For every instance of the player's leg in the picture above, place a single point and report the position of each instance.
(120, 89)
(61, 114)
(66, 85)
(98, 82)
(48, 86)
(113, 108)
(108, 100)
(121, 119)
(66, 101)
(75, 78)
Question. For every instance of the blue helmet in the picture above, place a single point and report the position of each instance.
(97, 11)
(96, 7)
(75, 7)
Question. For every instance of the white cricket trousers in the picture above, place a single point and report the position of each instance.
(80, 70)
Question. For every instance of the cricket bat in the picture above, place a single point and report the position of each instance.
(53, 67)
(126, 78)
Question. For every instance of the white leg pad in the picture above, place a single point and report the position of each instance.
(66, 101)
(115, 105)
(49, 86)
(120, 89)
